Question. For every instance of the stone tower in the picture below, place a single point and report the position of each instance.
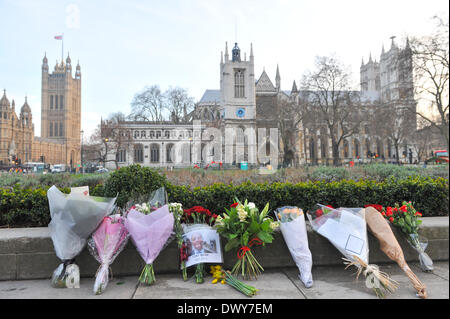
(61, 108)
(238, 105)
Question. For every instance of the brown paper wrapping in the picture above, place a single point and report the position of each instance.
(381, 229)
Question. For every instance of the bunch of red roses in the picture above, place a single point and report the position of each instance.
(199, 215)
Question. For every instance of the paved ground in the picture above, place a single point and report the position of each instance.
(329, 283)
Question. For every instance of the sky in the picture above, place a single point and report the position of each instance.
(123, 46)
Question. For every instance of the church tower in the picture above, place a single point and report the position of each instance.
(61, 108)
(238, 101)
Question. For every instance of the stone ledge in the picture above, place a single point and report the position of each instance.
(28, 253)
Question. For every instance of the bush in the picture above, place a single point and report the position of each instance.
(130, 182)
(25, 207)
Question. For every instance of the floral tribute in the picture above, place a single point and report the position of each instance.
(177, 211)
(244, 227)
(407, 219)
(225, 277)
(196, 217)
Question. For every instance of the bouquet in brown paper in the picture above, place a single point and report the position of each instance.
(346, 229)
(380, 228)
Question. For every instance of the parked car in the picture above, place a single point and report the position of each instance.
(102, 170)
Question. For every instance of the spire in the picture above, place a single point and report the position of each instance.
(221, 57)
(294, 88)
(407, 43)
(382, 48)
(251, 51)
(362, 61)
(68, 60)
(45, 60)
(226, 52)
(277, 79)
(370, 57)
(393, 42)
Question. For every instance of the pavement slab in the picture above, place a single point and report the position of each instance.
(330, 282)
(118, 288)
(271, 285)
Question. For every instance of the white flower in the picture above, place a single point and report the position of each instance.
(241, 213)
(219, 221)
(251, 205)
(274, 225)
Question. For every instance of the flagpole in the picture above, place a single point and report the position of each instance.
(62, 48)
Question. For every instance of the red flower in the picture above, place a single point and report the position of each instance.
(389, 211)
(234, 205)
(383, 213)
(391, 219)
(329, 206)
(319, 213)
(418, 214)
(376, 206)
(404, 208)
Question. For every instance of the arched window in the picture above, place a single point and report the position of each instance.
(61, 129)
(143, 134)
(169, 153)
(323, 149)
(239, 87)
(138, 153)
(121, 156)
(154, 153)
(56, 129)
(356, 147)
(312, 149)
(51, 129)
(346, 149)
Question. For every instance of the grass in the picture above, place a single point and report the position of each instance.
(200, 177)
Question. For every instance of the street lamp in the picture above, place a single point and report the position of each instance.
(82, 167)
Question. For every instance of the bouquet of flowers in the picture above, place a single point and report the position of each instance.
(74, 217)
(105, 244)
(225, 277)
(407, 219)
(150, 231)
(346, 229)
(381, 229)
(293, 228)
(244, 226)
(197, 226)
(177, 211)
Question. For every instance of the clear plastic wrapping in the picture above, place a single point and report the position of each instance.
(105, 244)
(74, 217)
(293, 228)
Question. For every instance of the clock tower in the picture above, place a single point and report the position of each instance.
(238, 105)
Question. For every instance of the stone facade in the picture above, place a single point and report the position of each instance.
(243, 104)
(59, 142)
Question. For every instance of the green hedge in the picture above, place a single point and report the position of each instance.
(27, 207)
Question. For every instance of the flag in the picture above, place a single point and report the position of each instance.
(58, 37)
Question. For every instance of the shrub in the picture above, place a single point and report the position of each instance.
(131, 181)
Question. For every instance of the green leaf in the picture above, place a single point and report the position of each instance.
(254, 227)
(265, 226)
(232, 243)
(265, 236)
(264, 212)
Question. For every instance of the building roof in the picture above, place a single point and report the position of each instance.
(210, 97)
(264, 84)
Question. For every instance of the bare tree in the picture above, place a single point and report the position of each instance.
(110, 137)
(431, 72)
(332, 101)
(179, 103)
(394, 124)
(148, 105)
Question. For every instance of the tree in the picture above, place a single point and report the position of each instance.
(330, 100)
(431, 75)
(151, 104)
(110, 137)
(178, 103)
(394, 124)
(148, 105)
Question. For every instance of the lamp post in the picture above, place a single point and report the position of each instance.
(82, 166)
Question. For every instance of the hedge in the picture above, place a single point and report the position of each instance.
(27, 207)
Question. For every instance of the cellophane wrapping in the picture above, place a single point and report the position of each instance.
(345, 228)
(105, 245)
(74, 217)
(150, 233)
(293, 228)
